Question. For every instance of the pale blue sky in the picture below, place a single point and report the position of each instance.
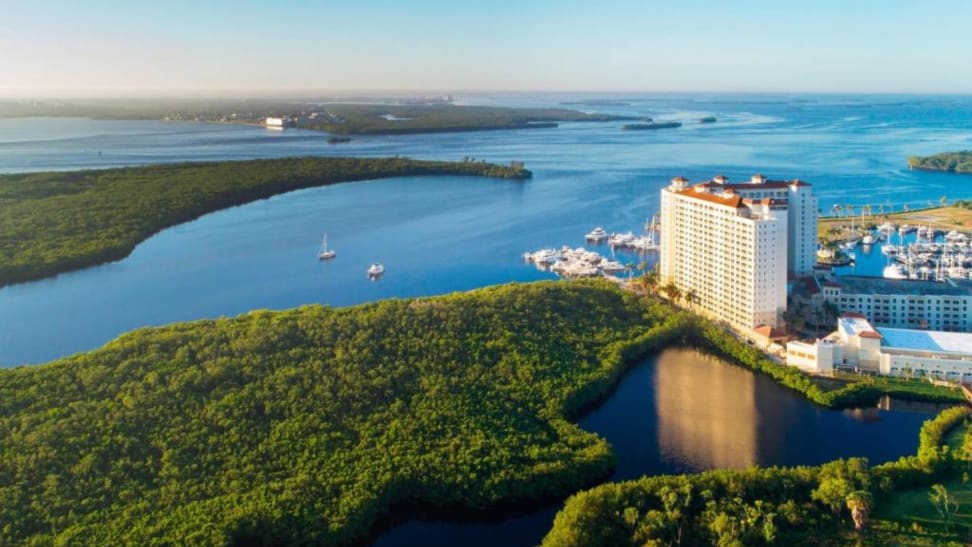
(212, 47)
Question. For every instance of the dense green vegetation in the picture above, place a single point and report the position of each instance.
(59, 221)
(798, 505)
(374, 118)
(959, 162)
(302, 426)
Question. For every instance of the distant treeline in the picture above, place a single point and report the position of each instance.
(650, 126)
(59, 221)
(959, 162)
(398, 119)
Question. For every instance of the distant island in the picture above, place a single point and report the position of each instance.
(379, 119)
(338, 140)
(596, 102)
(956, 162)
(650, 126)
(707, 119)
(61, 221)
(375, 117)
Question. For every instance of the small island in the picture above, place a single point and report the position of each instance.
(708, 119)
(650, 126)
(60, 221)
(954, 162)
(338, 140)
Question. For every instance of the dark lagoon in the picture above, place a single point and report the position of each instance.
(683, 411)
(437, 235)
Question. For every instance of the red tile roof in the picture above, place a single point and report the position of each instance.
(770, 332)
(734, 201)
(870, 334)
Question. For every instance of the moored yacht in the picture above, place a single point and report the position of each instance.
(375, 269)
(325, 253)
(597, 235)
(895, 271)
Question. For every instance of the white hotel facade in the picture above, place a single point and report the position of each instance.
(732, 246)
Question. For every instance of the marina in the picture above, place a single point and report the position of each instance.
(582, 262)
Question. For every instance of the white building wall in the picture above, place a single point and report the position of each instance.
(735, 265)
(906, 311)
(817, 358)
(957, 369)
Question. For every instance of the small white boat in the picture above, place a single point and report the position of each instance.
(375, 269)
(895, 271)
(611, 266)
(621, 240)
(597, 235)
(325, 253)
(868, 239)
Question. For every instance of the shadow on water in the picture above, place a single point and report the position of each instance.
(683, 411)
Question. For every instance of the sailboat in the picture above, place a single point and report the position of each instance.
(325, 253)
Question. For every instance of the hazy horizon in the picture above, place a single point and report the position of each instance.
(215, 49)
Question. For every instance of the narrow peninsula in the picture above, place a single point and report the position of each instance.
(60, 221)
(954, 162)
(361, 117)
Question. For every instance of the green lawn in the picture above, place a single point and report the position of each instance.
(908, 518)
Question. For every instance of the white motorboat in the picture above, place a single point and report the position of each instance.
(895, 271)
(325, 253)
(611, 266)
(868, 239)
(375, 269)
(597, 235)
(621, 240)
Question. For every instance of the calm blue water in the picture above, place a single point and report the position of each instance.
(437, 235)
(682, 412)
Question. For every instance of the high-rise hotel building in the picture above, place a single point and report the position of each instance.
(732, 246)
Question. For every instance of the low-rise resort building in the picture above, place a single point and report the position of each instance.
(859, 346)
(903, 303)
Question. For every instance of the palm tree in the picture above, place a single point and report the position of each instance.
(836, 210)
(944, 504)
(905, 207)
(692, 297)
(672, 292)
(942, 201)
(866, 210)
(850, 209)
(859, 503)
(649, 280)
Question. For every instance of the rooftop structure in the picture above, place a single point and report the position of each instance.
(927, 340)
(888, 351)
(904, 303)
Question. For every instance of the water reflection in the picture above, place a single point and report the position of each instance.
(706, 411)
